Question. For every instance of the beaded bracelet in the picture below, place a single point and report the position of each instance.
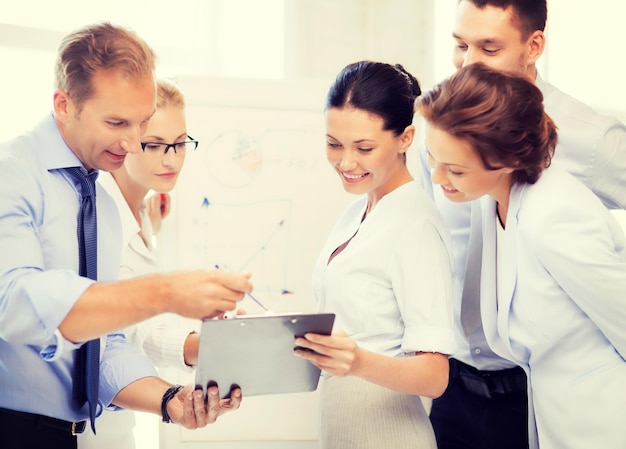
(167, 396)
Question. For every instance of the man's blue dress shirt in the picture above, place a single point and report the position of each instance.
(39, 283)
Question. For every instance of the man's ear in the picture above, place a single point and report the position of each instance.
(62, 105)
(536, 45)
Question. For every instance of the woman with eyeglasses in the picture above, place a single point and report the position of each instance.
(156, 169)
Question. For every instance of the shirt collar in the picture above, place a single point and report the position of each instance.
(55, 153)
(130, 228)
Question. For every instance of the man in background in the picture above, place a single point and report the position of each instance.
(485, 404)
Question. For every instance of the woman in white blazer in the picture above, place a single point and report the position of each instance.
(553, 277)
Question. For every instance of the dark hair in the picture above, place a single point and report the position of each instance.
(386, 90)
(531, 15)
(101, 46)
(499, 114)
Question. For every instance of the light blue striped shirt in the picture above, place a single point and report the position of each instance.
(39, 283)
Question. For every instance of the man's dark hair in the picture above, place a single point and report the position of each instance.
(531, 15)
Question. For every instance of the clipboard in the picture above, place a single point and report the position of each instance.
(255, 353)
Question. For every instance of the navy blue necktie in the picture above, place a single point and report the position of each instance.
(87, 359)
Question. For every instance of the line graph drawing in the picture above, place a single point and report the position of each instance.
(264, 252)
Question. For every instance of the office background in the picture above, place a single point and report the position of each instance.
(277, 57)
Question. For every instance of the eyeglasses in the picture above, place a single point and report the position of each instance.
(161, 149)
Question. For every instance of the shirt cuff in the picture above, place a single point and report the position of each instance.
(429, 339)
(56, 349)
(120, 366)
(172, 349)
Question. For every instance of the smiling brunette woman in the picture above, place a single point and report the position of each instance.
(385, 272)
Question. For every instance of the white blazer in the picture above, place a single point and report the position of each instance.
(556, 305)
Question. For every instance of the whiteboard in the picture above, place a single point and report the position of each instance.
(257, 195)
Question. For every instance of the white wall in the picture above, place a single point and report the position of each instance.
(325, 35)
(585, 56)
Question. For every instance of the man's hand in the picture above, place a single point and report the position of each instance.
(204, 293)
(190, 409)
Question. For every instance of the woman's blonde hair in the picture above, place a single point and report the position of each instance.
(169, 94)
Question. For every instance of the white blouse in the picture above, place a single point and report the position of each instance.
(391, 286)
(159, 338)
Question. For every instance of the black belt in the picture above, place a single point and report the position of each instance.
(489, 383)
(73, 428)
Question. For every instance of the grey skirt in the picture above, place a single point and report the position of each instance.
(356, 414)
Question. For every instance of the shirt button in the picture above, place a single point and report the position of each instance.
(477, 351)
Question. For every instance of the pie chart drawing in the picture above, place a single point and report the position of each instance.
(233, 159)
